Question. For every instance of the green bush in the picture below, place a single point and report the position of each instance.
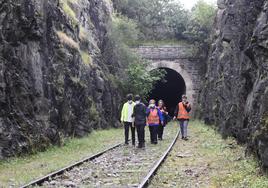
(86, 57)
(132, 71)
(121, 32)
(65, 5)
(140, 80)
(124, 30)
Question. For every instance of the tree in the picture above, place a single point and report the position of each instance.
(177, 19)
(121, 31)
(201, 22)
(204, 13)
(131, 72)
(157, 19)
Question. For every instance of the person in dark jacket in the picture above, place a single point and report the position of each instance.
(139, 115)
(182, 115)
(154, 118)
(163, 109)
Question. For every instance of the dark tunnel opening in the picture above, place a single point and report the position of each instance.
(169, 91)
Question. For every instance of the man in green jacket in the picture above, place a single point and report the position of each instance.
(127, 119)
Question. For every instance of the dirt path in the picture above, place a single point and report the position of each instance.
(206, 160)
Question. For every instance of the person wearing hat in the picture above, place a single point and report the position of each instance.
(139, 115)
(154, 118)
(127, 119)
(182, 115)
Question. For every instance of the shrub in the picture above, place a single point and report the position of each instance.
(65, 5)
(86, 57)
(93, 112)
(120, 32)
(132, 71)
(140, 80)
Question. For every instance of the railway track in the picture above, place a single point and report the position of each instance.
(40, 181)
(118, 166)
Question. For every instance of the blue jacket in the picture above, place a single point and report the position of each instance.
(159, 114)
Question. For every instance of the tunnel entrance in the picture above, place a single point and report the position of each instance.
(170, 91)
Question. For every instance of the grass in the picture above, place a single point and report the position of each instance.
(207, 160)
(65, 4)
(171, 42)
(86, 58)
(12, 172)
(65, 39)
(83, 34)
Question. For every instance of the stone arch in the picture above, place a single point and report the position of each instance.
(177, 67)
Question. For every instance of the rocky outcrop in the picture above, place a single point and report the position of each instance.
(235, 94)
(53, 81)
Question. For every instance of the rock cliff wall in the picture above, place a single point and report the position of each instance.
(235, 94)
(53, 81)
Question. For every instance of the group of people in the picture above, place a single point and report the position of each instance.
(135, 115)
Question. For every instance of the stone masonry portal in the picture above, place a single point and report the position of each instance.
(180, 59)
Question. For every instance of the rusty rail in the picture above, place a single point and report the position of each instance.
(146, 181)
(40, 181)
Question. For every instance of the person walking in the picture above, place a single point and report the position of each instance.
(163, 109)
(127, 119)
(182, 115)
(154, 118)
(139, 115)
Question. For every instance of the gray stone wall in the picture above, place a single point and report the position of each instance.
(234, 96)
(166, 52)
(53, 80)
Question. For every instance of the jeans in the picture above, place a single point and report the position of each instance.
(127, 125)
(184, 126)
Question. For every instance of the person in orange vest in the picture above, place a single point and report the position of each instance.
(163, 109)
(182, 115)
(154, 117)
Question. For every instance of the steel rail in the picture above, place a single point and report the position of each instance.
(39, 181)
(146, 181)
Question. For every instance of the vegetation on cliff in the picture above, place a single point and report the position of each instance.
(132, 71)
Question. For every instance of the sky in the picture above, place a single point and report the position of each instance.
(188, 4)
